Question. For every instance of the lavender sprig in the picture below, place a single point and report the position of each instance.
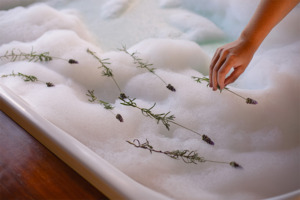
(106, 70)
(18, 55)
(27, 78)
(93, 98)
(186, 156)
(165, 118)
(106, 105)
(248, 100)
(144, 65)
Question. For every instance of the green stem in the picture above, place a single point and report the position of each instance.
(27, 78)
(186, 155)
(186, 128)
(107, 71)
(141, 64)
(235, 93)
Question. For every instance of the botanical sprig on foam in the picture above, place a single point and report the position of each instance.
(144, 65)
(27, 78)
(18, 55)
(248, 100)
(165, 118)
(106, 71)
(186, 156)
(106, 105)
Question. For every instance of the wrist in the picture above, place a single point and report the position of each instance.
(250, 40)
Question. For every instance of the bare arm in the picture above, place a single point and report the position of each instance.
(239, 53)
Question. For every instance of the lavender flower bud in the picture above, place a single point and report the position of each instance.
(171, 87)
(123, 96)
(72, 61)
(251, 101)
(49, 84)
(119, 117)
(235, 165)
(207, 140)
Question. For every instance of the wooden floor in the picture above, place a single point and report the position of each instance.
(29, 171)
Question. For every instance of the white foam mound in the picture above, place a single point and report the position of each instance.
(173, 54)
(169, 3)
(114, 8)
(196, 28)
(21, 24)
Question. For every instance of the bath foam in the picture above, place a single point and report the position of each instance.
(262, 138)
(112, 9)
(162, 53)
(169, 3)
(196, 28)
(26, 24)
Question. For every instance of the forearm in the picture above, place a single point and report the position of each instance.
(237, 55)
(268, 14)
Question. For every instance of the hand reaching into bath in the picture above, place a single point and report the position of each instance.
(238, 54)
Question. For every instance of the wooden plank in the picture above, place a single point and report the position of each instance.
(30, 171)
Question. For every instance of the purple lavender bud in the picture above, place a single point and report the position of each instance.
(235, 165)
(207, 140)
(72, 61)
(251, 101)
(123, 96)
(49, 84)
(171, 87)
(119, 117)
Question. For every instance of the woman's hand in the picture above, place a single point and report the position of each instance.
(238, 54)
(235, 55)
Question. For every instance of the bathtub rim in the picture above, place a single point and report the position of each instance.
(102, 175)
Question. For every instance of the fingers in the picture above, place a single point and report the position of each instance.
(212, 65)
(234, 75)
(224, 70)
(218, 61)
(236, 55)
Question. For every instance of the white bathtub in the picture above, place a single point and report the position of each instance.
(105, 177)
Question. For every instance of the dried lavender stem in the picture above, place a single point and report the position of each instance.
(117, 84)
(204, 137)
(107, 71)
(186, 128)
(248, 100)
(146, 66)
(161, 79)
(186, 155)
(32, 56)
(27, 78)
(221, 162)
(107, 106)
(235, 93)
(165, 118)
(71, 61)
